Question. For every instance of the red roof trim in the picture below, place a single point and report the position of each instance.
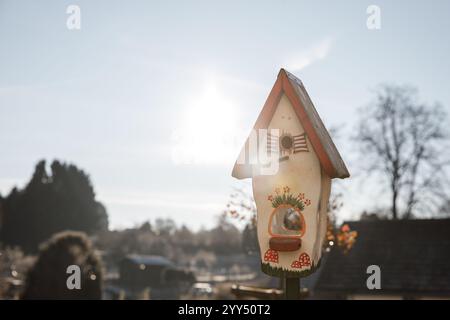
(306, 123)
(283, 85)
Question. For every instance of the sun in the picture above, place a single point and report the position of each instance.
(208, 133)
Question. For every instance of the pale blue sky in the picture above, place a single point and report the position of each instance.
(114, 96)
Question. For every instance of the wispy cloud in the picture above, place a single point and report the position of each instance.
(214, 204)
(304, 58)
(193, 209)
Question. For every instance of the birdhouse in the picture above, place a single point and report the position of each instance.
(291, 159)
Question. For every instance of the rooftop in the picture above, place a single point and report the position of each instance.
(413, 255)
(149, 260)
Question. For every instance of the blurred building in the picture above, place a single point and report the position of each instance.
(413, 255)
(154, 274)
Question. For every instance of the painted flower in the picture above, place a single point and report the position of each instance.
(301, 196)
(307, 202)
(286, 189)
(270, 198)
(345, 228)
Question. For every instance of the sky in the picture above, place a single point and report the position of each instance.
(154, 99)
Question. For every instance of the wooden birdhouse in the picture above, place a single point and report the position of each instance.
(291, 160)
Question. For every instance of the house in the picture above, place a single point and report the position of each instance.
(291, 159)
(413, 256)
(160, 275)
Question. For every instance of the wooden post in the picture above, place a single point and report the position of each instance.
(291, 288)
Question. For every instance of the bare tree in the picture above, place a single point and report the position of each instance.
(404, 140)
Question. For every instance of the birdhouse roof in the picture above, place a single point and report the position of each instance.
(323, 145)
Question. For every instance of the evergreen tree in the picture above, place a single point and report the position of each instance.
(64, 200)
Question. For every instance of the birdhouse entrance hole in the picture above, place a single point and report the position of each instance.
(286, 227)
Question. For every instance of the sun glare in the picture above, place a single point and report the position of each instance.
(208, 132)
